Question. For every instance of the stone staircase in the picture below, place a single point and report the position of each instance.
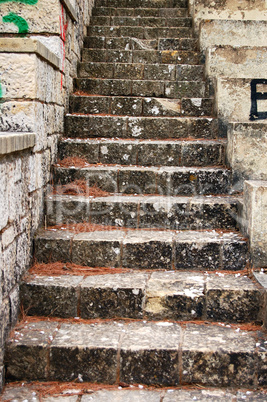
(141, 274)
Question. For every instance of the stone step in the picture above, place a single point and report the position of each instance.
(141, 56)
(103, 42)
(138, 71)
(140, 106)
(117, 87)
(162, 353)
(144, 249)
(86, 126)
(14, 391)
(163, 180)
(139, 32)
(177, 213)
(157, 22)
(146, 152)
(161, 295)
(142, 3)
(140, 12)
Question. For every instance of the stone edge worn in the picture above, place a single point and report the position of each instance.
(28, 45)
(13, 142)
(70, 9)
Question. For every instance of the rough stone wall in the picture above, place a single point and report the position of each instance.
(232, 37)
(35, 81)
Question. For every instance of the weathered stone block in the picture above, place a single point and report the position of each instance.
(95, 357)
(97, 249)
(175, 296)
(217, 356)
(115, 295)
(89, 104)
(27, 355)
(53, 246)
(118, 152)
(97, 126)
(95, 70)
(126, 106)
(121, 212)
(50, 296)
(234, 253)
(149, 354)
(87, 149)
(139, 180)
(147, 250)
(161, 107)
(235, 299)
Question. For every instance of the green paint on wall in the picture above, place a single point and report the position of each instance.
(29, 2)
(19, 21)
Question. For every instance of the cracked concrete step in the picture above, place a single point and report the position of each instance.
(140, 12)
(142, 3)
(144, 249)
(141, 71)
(166, 89)
(163, 180)
(139, 32)
(132, 394)
(178, 213)
(145, 295)
(157, 22)
(92, 126)
(141, 56)
(162, 353)
(146, 152)
(103, 42)
(140, 106)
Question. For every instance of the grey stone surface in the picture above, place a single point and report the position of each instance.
(201, 395)
(174, 295)
(86, 350)
(115, 295)
(50, 295)
(215, 355)
(123, 396)
(149, 353)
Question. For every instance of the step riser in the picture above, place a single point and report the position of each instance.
(142, 3)
(140, 32)
(176, 216)
(167, 89)
(170, 356)
(137, 44)
(140, 12)
(141, 128)
(141, 298)
(141, 21)
(169, 154)
(134, 106)
(141, 56)
(141, 71)
(149, 181)
(88, 250)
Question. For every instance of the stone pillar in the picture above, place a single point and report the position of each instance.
(255, 220)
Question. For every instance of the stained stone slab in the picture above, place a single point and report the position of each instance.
(46, 242)
(116, 295)
(83, 126)
(149, 353)
(173, 295)
(233, 299)
(67, 208)
(215, 356)
(86, 351)
(19, 394)
(123, 396)
(140, 32)
(51, 295)
(27, 351)
(98, 249)
(200, 395)
(147, 250)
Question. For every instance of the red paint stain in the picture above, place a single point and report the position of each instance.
(63, 30)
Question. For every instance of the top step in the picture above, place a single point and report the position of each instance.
(142, 3)
(141, 12)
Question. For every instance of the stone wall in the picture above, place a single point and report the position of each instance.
(232, 39)
(40, 45)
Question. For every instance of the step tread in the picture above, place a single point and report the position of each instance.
(13, 391)
(140, 32)
(97, 345)
(142, 294)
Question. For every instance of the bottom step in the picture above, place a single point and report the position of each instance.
(163, 353)
(79, 393)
